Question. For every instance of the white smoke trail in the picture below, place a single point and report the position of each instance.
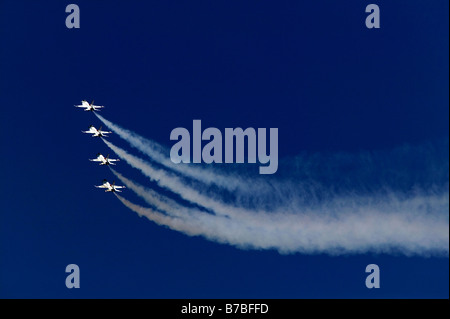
(160, 154)
(152, 197)
(380, 227)
(385, 222)
(239, 236)
(306, 175)
(175, 184)
(257, 217)
(160, 219)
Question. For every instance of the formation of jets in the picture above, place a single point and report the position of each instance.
(100, 158)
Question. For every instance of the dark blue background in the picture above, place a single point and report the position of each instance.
(310, 68)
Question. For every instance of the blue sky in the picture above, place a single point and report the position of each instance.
(311, 69)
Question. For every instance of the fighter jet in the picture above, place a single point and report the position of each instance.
(97, 133)
(110, 187)
(89, 107)
(104, 160)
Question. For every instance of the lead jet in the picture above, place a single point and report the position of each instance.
(97, 133)
(110, 187)
(104, 160)
(89, 107)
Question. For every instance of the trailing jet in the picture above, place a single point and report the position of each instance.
(104, 160)
(110, 187)
(97, 133)
(89, 107)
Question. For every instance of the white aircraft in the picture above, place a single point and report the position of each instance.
(97, 133)
(110, 187)
(104, 160)
(89, 107)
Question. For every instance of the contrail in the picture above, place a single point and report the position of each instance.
(381, 227)
(152, 197)
(239, 236)
(307, 174)
(410, 226)
(173, 183)
(412, 223)
(159, 154)
(160, 219)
